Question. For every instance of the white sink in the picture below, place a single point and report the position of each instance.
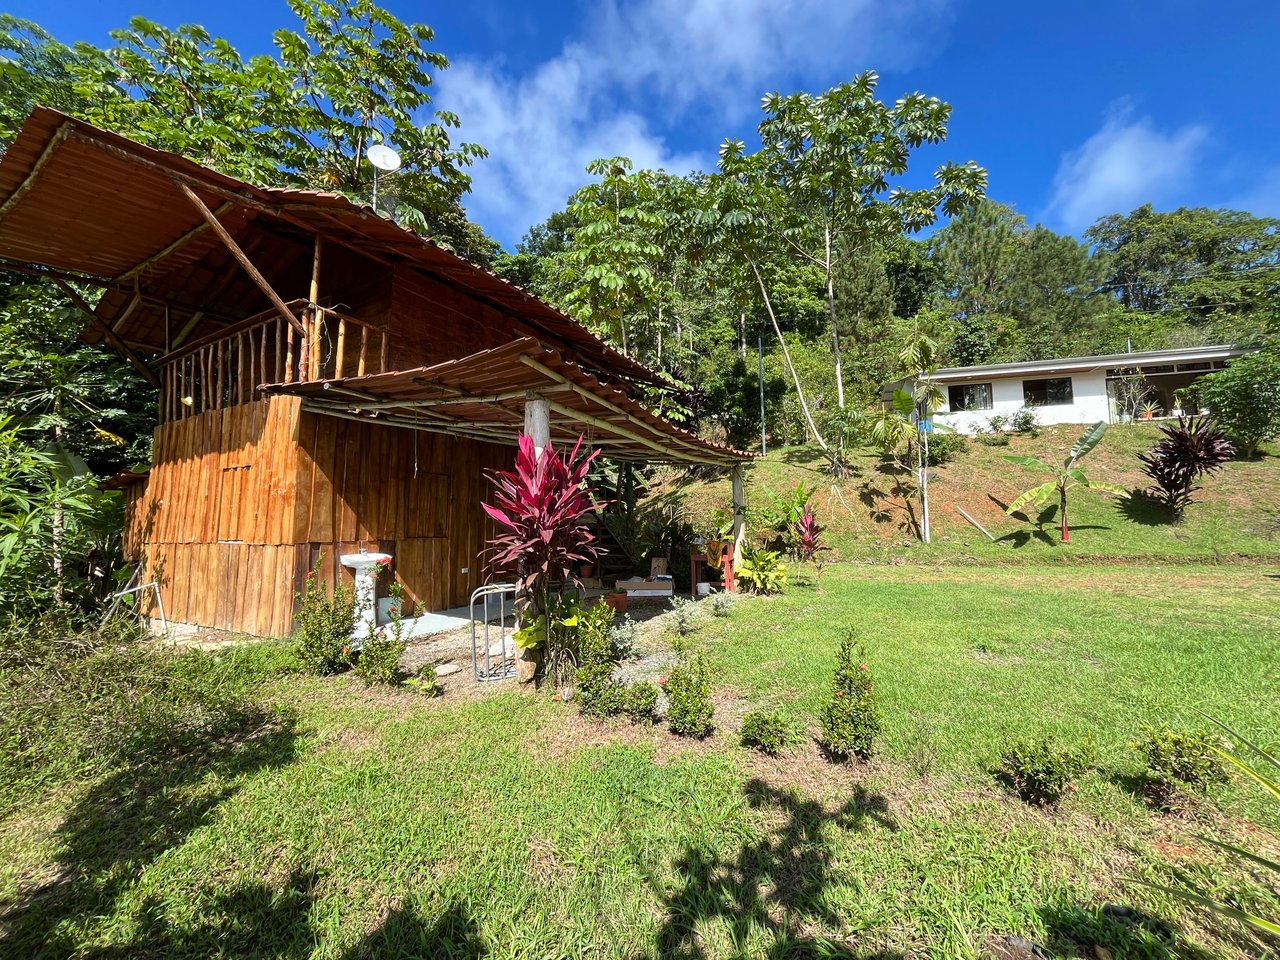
(365, 565)
(363, 559)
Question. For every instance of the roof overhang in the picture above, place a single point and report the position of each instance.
(482, 396)
(93, 205)
(1073, 364)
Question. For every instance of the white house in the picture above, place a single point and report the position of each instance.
(1075, 389)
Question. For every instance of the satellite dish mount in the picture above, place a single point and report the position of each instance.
(383, 158)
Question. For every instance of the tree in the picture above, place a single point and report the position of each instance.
(1244, 399)
(1065, 478)
(836, 157)
(352, 74)
(1216, 270)
(610, 254)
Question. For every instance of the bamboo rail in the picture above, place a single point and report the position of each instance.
(225, 369)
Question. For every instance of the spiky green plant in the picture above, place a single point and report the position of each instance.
(1065, 478)
(1263, 769)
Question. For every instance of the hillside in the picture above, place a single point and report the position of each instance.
(1235, 516)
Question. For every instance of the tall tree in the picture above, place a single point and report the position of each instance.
(839, 158)
(351, 74)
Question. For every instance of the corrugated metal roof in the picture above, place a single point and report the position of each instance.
(1135, 359)
(87, 201)
(484, 394)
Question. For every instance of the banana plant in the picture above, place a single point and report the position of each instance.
(1065, 478)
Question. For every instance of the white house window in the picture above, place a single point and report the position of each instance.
(1053, 392)
(969, 396)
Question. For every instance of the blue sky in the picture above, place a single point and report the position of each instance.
(1076, 109)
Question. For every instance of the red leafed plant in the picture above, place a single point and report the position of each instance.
(809, 535)
(539, 508)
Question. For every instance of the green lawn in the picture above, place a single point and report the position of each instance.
(346, 822)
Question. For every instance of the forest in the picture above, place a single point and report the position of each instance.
(779, 291)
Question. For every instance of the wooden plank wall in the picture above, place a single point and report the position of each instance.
(214, 522)
(242, 501)
(435, 323)
(358, 486)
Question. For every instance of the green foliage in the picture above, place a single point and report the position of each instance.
(763, 569)
(943, 447)
(302, 117)
(689, 707)
(992, 439)
(322, 626)
(624, 637)
(850, 720)
(1066, 477)
(685, 614)
(641, 702)
(781, 515)
(1177, 758)
(1244, 399)
(767, 730)
(78, 702)
(722, 603)
(379, 658)
(425, 681)
(599, 693)
(1263, 769)
(1040, 771)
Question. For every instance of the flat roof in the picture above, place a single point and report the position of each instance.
(1139, 358)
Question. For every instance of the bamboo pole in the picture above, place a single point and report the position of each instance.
(107, 332)
(239, 254)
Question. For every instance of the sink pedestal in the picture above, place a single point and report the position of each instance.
(366, 567)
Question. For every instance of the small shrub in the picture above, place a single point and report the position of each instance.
(1245, 399)
(1024, 420)
(322, 626)
(1192, 449)
(1040, 771)
(689, 707)
(425, 681)
(763, 570)
(850, 721)
(767, 730)
(624, 637)
(1176, 759)
(722, 603)
(943, 447)
(684, 614)
(599, 693)
(993, 439)
(999, 423)
(379, 659)
(641, 702)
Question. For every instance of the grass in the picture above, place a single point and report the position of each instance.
(867, 518)
(351, 822)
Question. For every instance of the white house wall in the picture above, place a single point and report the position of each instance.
(1088, 391)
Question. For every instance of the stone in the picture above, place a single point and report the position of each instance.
(447, 669)
(502, 648)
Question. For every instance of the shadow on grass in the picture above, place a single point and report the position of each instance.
(1075, 931)
(125, 821)
(1142, 508)
(774, 889)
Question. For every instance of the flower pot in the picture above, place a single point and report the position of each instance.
(586, 571)
(617, 600)
(704, 589)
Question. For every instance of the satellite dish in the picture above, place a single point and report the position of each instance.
(383, 157)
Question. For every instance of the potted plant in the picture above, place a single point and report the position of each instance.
(1149, 410)
(617, 599)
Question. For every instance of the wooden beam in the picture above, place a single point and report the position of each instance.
(180, 242)
(186, 329)
(707, 455)
(30, 180)
(124, 314)
(107, 332)
(239, 254)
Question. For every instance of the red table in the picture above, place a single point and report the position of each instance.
(698, 560)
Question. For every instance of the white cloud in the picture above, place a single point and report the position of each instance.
(1128, 162)
(638, 68)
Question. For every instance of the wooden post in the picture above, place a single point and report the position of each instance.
(537, 421)
(239, 254)
(340, 352)
(739, 514)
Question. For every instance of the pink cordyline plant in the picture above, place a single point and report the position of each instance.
(809, 535)
(539, 508)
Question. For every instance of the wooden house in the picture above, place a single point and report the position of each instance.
(328, 381)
